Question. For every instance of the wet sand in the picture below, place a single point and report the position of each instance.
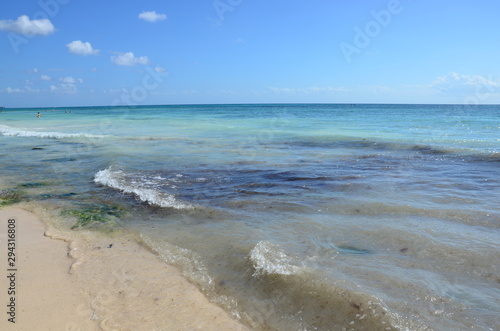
(86, 281)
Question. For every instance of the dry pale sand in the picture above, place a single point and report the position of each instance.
(89, 282)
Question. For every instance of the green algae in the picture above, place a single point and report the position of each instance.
(11, 196)
(46, 196)
(94, 215)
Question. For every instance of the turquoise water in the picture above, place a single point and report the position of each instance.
(291, 217)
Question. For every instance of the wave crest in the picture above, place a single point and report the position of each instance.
(16, 132)
(268, 258)
(118, 180)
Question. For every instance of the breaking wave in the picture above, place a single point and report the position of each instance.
(268, 258)
(299, 298)
(16, 132)
(144, 190)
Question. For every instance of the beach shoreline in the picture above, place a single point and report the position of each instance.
(288, 217)
(84, 281)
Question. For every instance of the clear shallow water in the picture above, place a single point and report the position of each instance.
(292, 217)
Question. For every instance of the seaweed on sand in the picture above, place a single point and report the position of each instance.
(95, 214)
(11, 196)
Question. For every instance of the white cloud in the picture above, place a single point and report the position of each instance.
(45, 77)
(68, 85)
(70, 80)
(152, 16)
(455, 81)
(128, 59)
(26, 89)
(23, 25)
(13, 90)
(81, 48)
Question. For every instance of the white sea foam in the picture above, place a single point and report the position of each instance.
(268, 258)
(117, 179)
(17, 132)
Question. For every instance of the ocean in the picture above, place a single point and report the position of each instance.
(289, 216)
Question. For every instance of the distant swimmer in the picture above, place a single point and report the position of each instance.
(38, 115)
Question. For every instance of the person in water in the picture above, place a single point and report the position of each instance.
(38, 115)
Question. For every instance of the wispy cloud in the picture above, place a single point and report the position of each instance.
(70, 80)
(128, 59)
(81, 48)
(455, 81)
(67, 85)
(152, 16)
(24, 25)
(9, 90)
(26, 89)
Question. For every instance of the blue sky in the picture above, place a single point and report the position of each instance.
(84, 53)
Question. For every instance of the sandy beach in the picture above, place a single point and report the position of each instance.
(277, 216)
(86, 282)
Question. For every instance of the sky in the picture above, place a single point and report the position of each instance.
(62, 53)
